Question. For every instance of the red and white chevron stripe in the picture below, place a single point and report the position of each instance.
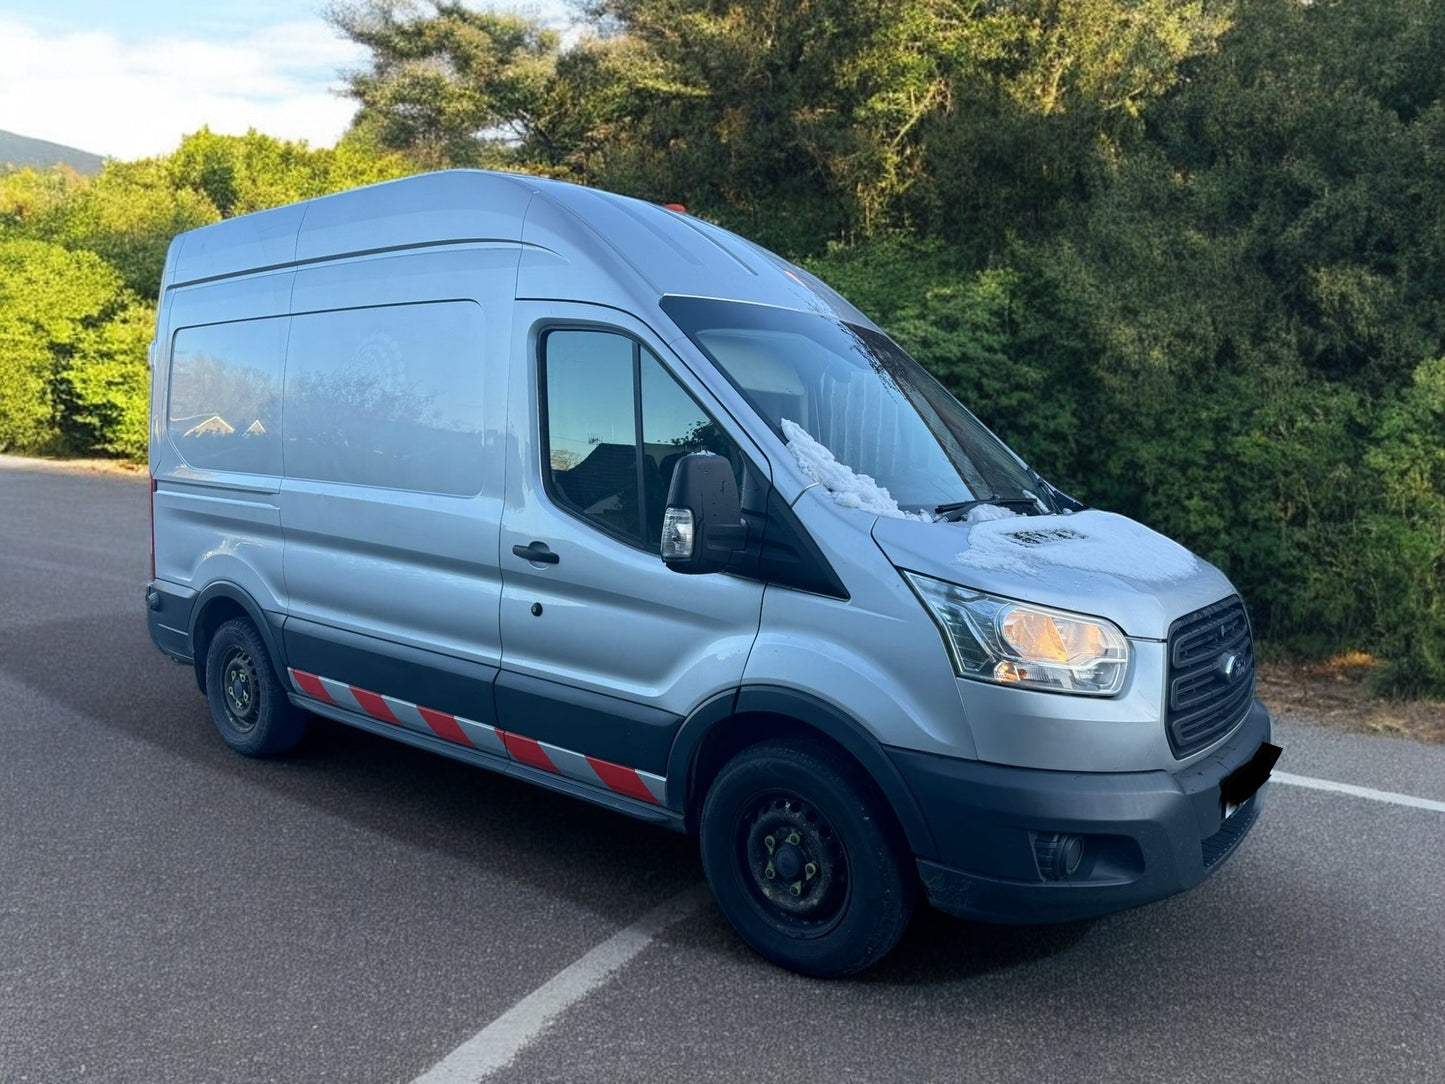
(643, 786)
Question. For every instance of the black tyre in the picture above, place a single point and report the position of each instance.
(805, 859)
(247, 701)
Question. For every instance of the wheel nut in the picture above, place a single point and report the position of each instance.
(770, 873)
(769, 842)
(810, 870)
(794, 838)
(796, 888)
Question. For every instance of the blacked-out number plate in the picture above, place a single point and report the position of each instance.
(1240, 785)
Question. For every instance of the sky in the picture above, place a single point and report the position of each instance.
(128, 78)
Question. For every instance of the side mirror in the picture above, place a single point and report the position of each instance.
(703, 524)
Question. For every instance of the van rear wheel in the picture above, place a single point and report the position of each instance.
(248, 702)
(805, 860)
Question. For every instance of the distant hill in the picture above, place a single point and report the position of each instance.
(19, 150)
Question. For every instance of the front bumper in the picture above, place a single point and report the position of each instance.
(1145, 835)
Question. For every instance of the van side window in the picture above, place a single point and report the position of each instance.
(225, 395)
(389, 396)
(673, 425)
(615, 425)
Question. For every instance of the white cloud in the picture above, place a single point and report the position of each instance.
(90, 90)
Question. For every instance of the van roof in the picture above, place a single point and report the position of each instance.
(578, 243)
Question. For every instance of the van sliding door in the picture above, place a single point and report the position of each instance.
(393, 491)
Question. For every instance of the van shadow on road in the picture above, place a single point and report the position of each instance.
(560, 846)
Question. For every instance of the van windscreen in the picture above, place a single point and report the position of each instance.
(858, 394)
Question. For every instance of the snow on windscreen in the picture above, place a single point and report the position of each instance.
(1002, 540)
(849, 488)
(1089, 541)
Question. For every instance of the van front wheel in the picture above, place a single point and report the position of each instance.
(248, 703)
(804, 859)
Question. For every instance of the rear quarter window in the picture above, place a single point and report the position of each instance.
(225, 395)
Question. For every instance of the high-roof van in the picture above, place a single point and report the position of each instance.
(590, 492)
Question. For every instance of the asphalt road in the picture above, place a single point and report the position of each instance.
(170, 911)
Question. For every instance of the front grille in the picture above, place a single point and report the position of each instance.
(1211, 675)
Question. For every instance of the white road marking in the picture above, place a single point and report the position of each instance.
(1358, 792)
(499, 1043)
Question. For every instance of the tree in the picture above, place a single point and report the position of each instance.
(28, 194)
(241, 174)
(798, 122)
(127, 215)
(1405, 533)
(103, 388)
(456, 87)
(52, 301)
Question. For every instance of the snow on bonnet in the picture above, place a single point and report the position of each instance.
(984, 513)
(1090, 541)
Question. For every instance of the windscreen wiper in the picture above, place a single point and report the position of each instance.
(952, 513)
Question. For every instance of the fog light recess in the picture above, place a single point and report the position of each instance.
(1059, 854)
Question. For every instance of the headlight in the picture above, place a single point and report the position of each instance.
(1016, 643)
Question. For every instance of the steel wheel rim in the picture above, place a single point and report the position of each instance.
(241, 689)
(793, 864)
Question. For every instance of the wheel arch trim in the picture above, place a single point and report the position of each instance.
(814, 713)
(231, 592)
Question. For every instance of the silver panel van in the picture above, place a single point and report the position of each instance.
(590, 492)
